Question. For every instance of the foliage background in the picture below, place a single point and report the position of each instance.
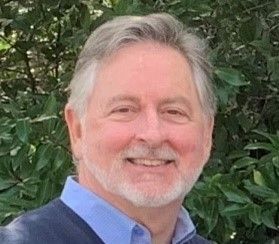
(237, 198)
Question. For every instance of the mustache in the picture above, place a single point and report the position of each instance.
(145, 151)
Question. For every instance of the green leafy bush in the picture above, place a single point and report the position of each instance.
(237, 197)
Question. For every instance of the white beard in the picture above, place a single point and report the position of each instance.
(117, 182)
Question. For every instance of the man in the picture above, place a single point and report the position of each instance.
(140, 118)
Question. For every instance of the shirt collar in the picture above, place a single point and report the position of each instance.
(112, 225)
(184, 229)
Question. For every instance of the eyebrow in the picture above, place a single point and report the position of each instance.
(129, 98)
(178, 99)
(121, 98)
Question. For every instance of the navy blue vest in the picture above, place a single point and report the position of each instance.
(55, 223)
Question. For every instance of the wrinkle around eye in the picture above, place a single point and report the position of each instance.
(123, 113)
(176, 115)
(124, 110)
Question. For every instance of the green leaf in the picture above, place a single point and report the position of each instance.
(24, 45)
(43, 192)
(268, 218)
(274, 14)
(211, 217)
(244, 162)
(258, 178)
(17, 203)
(248, 30)
(50, 107)
(23, 129)
(60, 158)
(198, 207)
(244, 121)
(5, 22)
(255, 214)
(234, 210)
(21, 23)
(223, 96)
(263, 46)
(234, 195)
(20, 156)
(85, 17)
(273, 68)
(221, 135)
(259, 145)
(261, 191)
(44, 154)
(267, 158)
(7, 208)
(4, 45)
(6, 184)
(114, 2)
(29, 188)
(275, 161)
(216, 178)
(238, 154)
(274, 139)
(231, 76)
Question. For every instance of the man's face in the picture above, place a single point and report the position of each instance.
(143, 136)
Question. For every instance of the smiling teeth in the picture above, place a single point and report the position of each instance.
(149, 162)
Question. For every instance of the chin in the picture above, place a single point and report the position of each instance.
(148, 194)
(147, 200)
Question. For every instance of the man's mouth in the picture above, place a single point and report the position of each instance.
(149, 162)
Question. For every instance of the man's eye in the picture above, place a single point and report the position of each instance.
(125, 113)
(175, 112)
(123, 110)
(176, 115)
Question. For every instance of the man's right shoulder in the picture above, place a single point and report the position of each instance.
(29, 227)
(16, 232)
(53, 223)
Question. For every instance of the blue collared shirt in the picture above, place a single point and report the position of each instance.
(112, 225)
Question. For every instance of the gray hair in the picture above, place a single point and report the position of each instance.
(161, 28)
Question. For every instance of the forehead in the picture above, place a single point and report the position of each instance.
(145, 59)
(145, 54)
(144, 69)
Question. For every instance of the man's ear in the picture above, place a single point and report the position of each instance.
(75, 130)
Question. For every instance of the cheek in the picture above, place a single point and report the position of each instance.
(188, 143)
(109, 139)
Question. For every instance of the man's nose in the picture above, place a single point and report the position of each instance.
(150, 130)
